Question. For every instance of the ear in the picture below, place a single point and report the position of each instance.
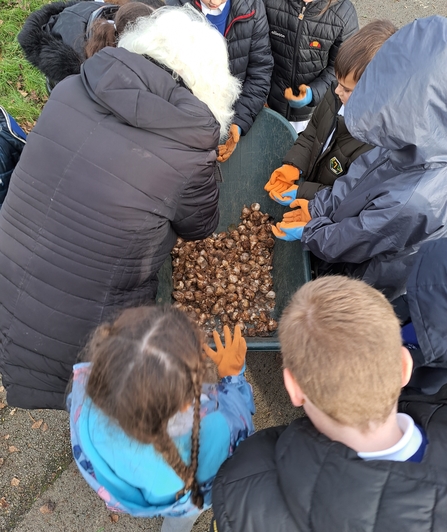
(407, 366)
(293, 389)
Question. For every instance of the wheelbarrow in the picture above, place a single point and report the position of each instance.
(243, 178)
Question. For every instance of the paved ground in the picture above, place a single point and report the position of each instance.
(41, 492)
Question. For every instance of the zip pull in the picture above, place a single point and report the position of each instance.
(301, 15)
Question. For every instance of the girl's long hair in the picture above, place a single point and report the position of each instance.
(147, 366)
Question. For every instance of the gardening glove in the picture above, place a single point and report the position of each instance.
(282, 179)
(288, 231)
(229, 359)
(285, 198)
(301, 214)
(225, 150)
(304, 98)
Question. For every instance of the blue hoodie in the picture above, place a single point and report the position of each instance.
(133, 477)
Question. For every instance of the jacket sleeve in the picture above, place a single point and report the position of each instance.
(197, 214)
(256, 85)
(320, 84)
(386, 225)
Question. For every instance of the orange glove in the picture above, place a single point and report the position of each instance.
(288, 231)
(229, 359)
(304, 98)
(301, 214)
(281, 179)
(225, 150)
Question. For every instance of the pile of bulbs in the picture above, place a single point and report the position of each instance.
(226, 278)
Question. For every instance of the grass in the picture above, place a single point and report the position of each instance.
(22, 87)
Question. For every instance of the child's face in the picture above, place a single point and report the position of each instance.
(345, 87)
(213, 4)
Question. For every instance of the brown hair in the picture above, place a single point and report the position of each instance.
(103, 33)
(340, 339)
(356, 52)
(146, 366)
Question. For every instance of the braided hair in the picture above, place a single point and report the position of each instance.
(147, 366)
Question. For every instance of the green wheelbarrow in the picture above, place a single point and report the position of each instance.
(243, 178)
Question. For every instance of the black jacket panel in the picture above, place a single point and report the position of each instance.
(250, 56)
(304, 50)
(320, 169)
(120, 162)
(295, 479)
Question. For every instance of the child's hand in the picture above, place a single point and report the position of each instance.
(229, 359)
(225, 150)
(282, 178)
(300, 214)
(285, 198)
(304, 98)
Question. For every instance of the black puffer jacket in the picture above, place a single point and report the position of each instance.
(250, 56)
(121, 161)
(53, 37)
(294, 479)
(321, 168)
(304, 43)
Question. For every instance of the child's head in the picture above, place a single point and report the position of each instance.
(147, 366)
(213, 4)
(341, 342)
(355, 54)
(104, 33)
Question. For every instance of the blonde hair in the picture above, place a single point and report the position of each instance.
(341, 341)
(182, 39)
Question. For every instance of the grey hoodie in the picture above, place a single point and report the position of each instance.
(393, 197)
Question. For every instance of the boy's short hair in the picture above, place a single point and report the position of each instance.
(340, 339)
(357, 51)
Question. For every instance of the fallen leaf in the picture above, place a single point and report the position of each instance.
(15, 481)
(13, 411)
(2, 389)
(44, 427)
(13, 449)
(114, 518)
(2, 461)
(37, 424)
(2, 406)
(48, 507)
(6, 437)
(3, 503)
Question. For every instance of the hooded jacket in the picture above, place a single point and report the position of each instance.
(294, 479)
(393, 198)
(250, 56)
(120, 163)
(131, 476)
(305, 39)
(320, 169)
(12, 141)
(53, 37)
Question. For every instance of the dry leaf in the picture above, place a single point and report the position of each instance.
(15, 481)
(13, 411)
(13, 449)
(48, 507)
(6, 437)
(2, 461)
(44, 427)
(114, 518)
(37, 424)
(3, 503)
(2, 389)
(2, 405)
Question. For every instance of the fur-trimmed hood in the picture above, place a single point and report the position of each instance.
(53, 38)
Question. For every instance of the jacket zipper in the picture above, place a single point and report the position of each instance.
(237, 19)
(8, 123)
(296, 52)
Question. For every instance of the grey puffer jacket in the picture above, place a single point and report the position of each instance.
(121, 161)
(250, 56)
(294, 479)
(305, 40)
(393, 197)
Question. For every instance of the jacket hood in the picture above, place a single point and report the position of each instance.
(400, 102)
(427, 300)
(146, 96)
